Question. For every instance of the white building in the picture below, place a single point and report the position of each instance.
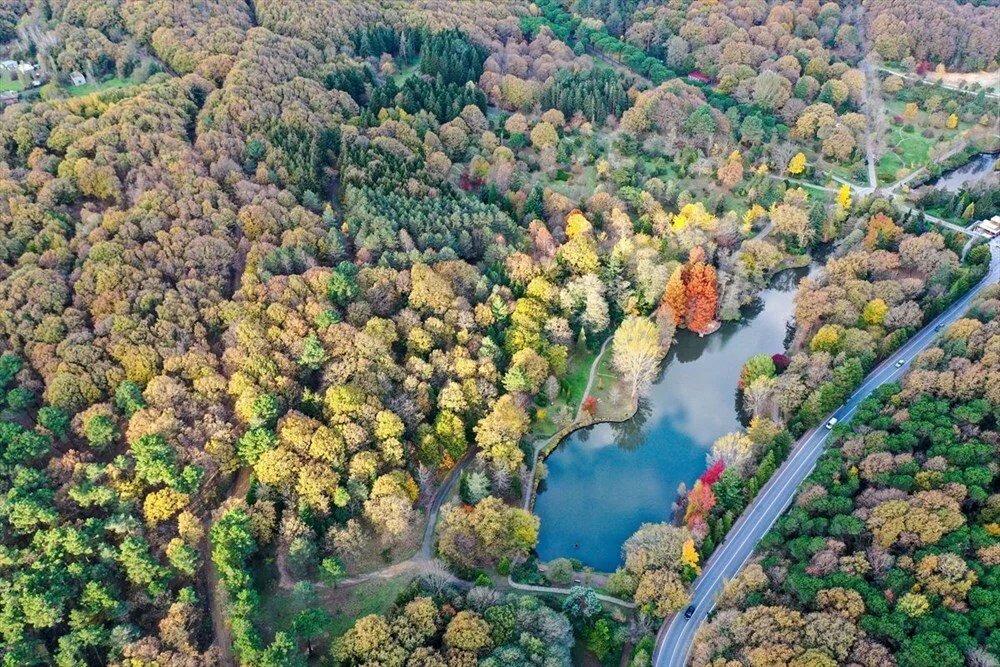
(989, 227)
(10, 65)
(77, 79)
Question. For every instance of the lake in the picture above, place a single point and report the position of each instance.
(970, 172)
(606, 480)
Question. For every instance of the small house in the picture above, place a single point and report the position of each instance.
(989, 227)
(8, 97)
(77, 79)
(25, 68)
(9, 65)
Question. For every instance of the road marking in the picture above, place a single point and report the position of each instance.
(881, 374)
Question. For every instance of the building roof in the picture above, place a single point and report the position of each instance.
(991, 227)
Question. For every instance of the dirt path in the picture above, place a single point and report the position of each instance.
(434, 507)
(986, 83)
(872, 105)
(217, 600)
(592, 376)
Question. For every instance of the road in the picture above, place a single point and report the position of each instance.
(676, 637)
(919, 79)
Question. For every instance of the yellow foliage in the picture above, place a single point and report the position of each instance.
(693, 214)
(689, 555)
(577, 224)
(797, 164)
(844, 197)
(952, 121)
(755, 212)
(163, 504)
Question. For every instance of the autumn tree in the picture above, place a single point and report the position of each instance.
(637, 353)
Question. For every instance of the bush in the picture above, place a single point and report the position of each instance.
(560, 571)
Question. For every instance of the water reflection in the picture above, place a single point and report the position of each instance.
(962, 177)
(604, 481)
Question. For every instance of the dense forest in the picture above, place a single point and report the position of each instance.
(886, 556)
(278, 274)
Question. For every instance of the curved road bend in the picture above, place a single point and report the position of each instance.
(676, 637)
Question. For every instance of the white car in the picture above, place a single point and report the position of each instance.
(830, 424)
(899, 364)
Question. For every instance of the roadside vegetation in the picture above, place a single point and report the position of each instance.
(291, 291)
(889, 545)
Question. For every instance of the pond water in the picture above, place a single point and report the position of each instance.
(605, 481)
(970, 172)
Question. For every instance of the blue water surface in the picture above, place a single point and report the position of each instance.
(605, 481)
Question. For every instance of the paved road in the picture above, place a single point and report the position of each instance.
(676, 637)
(919, 79)
(565, 591)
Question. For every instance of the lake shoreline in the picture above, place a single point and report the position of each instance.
(620, 469)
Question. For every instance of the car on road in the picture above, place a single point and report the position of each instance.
(830, 424)
(939, 327)
(899, 364)
(689, 612)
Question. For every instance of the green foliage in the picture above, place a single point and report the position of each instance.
(921, 489)
(452, 56)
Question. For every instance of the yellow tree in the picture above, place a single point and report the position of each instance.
(637, 353)
(797, 164)
(844, 197)
(689, 556)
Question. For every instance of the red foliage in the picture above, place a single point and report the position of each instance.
(702, 297)
(590, 405)
(781, 361)
(700, 502)
(713, 474)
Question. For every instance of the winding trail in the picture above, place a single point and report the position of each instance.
(422, 562)
(217, 598)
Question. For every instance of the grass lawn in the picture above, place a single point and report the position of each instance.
(88, 88)
(853, 173)
(346, 605)
(563, 411)
(371, 597)
(576, 186)
(612, 400)
(10, 85)
(910, 150)
(816, 193)
(404, 73)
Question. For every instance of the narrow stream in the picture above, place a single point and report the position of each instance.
(605, 481)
